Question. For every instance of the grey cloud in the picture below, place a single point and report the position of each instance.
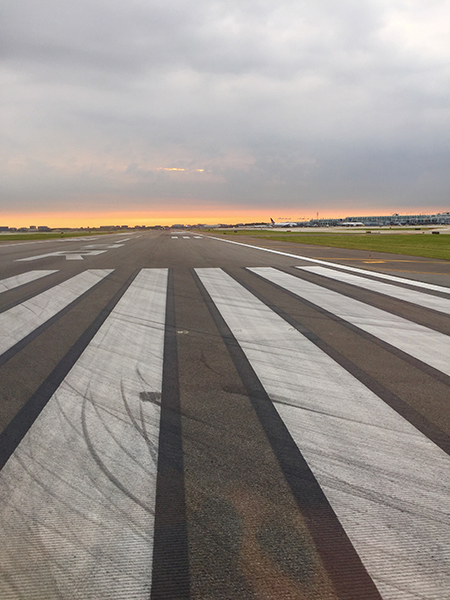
(318, 100)
(208, 37)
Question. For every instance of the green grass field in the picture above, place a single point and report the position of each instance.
(12, 237)
(426, 245)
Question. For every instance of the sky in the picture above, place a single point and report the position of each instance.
(146, 111)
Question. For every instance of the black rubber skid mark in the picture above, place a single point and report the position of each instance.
(170, 573)
(340, 559)
(15, 431)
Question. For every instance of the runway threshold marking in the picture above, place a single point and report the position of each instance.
(388, 289)
(386, 481)
(77, 497)
(22, 279)
(21, 320)
(412, 282)
(393, 278)
(428, 346)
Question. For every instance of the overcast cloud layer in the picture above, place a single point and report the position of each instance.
(311, 104)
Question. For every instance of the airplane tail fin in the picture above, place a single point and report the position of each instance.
(272, 221)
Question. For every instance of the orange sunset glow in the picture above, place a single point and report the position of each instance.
(136, 217)
(193, 215)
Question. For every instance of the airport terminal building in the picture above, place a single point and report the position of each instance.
(395, 219)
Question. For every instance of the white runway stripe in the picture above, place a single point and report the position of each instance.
(388, 484)
(77, 496)
(413, 282)
(424, 344)
(385, 276)
(388, 289)
(17, 280)
(19, 321)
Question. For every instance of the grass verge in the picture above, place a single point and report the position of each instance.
(14, 237)
(427, 246)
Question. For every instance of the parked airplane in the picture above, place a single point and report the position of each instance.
(286, 224)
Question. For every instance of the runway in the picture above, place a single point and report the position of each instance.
(196, 416)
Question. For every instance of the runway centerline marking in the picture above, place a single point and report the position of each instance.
(81, 484)
(386, 481)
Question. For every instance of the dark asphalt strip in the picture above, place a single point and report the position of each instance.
(6, 356)
(170, 574)
(14, 432)
(420, 422)
(340, 559)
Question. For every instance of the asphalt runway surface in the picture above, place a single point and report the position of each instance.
(218, 417)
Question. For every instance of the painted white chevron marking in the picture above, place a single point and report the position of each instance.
(77, 496)
(387, 483)
(69, 255)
